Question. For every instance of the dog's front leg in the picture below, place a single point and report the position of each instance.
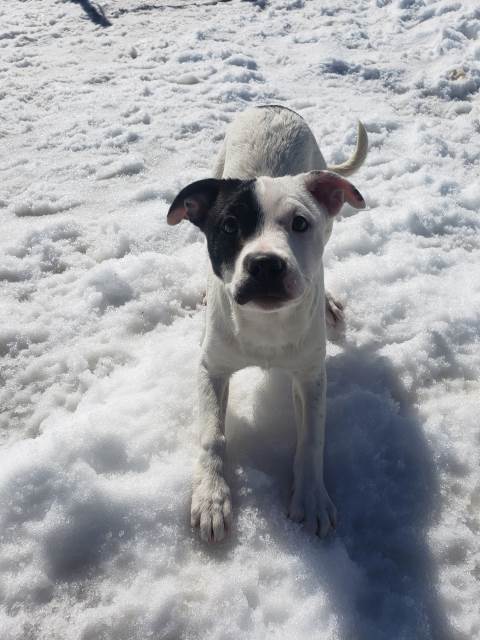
(310, 501)
(211, 504)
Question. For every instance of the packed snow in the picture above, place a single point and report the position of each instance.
(104, 116)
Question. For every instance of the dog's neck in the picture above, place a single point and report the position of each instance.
(268, 332)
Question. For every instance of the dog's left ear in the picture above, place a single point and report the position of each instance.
(332, 191)
(193, 202)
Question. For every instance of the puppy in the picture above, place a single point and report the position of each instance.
(267, 215)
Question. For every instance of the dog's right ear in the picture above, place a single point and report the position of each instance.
(194, 202)
(332, 191)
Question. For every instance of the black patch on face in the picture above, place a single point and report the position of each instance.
(236, 199)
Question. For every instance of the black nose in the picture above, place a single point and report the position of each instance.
(264, 266)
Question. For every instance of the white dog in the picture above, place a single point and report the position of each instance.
(266, 216)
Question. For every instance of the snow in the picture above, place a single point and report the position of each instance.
(101, 320)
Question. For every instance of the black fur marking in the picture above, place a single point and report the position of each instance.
(204, 192)
(235, 198)
(218, 200)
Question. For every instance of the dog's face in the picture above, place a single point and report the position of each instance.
(266, 236)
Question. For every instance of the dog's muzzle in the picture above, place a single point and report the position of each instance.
(264, 284)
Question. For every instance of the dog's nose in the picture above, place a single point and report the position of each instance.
(263, 266)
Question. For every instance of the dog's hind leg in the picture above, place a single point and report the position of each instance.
(334, 319)
(334, 314)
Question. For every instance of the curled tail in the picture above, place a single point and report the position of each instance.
(352, 164)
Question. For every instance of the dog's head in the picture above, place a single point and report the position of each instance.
(266, 236)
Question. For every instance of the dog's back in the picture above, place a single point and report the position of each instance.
(268, 141)
(275, 141)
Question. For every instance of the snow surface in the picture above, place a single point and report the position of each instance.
(101, 319)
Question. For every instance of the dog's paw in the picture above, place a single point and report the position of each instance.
(333, 311)
(313, 507)
(334, 319)
(212, 508)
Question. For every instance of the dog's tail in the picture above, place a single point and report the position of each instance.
(355, 162)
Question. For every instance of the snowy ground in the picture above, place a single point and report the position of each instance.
(101, 321)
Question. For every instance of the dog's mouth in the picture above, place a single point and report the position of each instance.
(265, 298)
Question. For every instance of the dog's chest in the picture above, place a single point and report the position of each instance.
(265, 337)
(289, 356)
(268, 341)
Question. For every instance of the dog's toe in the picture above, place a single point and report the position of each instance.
(296, 513)
(212, 510)
(213, 524)
(195, 518)
(206, 526)
(327, 520)
(219, 526)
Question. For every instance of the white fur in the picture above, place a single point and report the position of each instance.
(277, 144)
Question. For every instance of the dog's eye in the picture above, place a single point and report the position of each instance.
(230, 225)
(300, 224)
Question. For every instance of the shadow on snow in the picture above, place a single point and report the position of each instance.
(381, 475)
(94, 12)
